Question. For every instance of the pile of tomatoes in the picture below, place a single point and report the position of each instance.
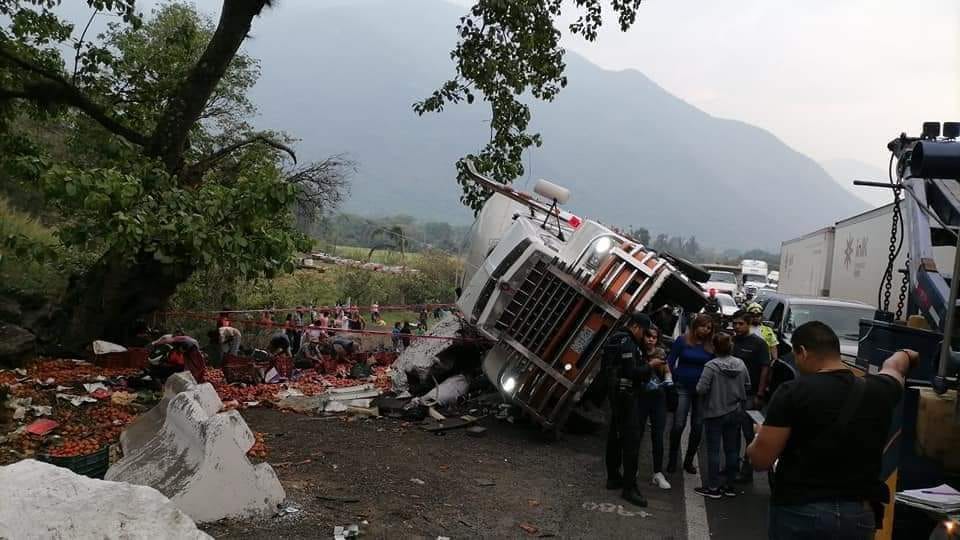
(259, 448)
(69, 372)
(72, 448)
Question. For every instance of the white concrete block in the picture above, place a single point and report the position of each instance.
(196, 456)
(43, 501)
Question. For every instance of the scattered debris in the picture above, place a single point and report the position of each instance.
(417, 481)
(40, 499)
(349, 531)
(485, 482)
(476, 431)
(339, 498)
(450, 423)
(529, 529)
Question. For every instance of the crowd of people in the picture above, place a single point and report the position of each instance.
(718, 382)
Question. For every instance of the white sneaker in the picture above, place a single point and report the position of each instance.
(659, 481)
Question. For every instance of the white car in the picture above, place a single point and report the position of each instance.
(725, 283)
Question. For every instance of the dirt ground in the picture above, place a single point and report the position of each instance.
(404, 482)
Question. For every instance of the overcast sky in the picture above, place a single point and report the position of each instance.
(833, 79)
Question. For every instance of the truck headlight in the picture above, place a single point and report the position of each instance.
(602, 245)
(508, 383)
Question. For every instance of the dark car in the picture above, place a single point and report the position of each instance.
(784, 313)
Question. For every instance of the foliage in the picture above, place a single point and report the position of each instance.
(138, 139)
(508, 49)
(435, 281)
(352, 230)
(31, 258)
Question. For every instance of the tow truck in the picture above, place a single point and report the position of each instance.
(924, 442)
(548, 287)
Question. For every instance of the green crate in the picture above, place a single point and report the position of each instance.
(94, 465)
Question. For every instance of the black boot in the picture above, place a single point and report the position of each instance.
(689, 466)
(632, 495)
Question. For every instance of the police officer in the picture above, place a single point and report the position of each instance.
(627, 373)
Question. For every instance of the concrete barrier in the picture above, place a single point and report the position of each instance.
(195, 455)
(40, 500)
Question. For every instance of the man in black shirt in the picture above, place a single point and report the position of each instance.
(753, 350)
(827, 478)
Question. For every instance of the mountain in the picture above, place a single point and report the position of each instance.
(342, 78)
(845, 171)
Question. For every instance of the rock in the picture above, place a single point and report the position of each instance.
(197, 456)
(16, 345)
(45, 501)
(10, 310)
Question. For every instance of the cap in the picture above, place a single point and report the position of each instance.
(755, 308)
(640, 319)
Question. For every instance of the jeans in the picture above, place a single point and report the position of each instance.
(828, 520)
(657, 403)
(726, 430)
(688, 403)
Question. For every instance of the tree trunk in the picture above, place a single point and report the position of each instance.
(110, 297)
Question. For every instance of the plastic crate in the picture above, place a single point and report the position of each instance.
(136, 358)
(94, 465)
(284, 365)
(238, 369)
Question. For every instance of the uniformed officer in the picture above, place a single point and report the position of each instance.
(627, 373)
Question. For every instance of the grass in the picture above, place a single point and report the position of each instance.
(24, 273)
(382, 256)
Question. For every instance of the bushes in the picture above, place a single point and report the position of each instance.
(434, 282)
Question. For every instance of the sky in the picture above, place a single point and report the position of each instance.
(835, 80)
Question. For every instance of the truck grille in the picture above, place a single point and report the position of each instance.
(541, 303)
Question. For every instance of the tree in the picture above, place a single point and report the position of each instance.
(164, 176)
(509, 49)
(383, 238)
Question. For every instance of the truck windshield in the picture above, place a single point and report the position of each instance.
(723, 277)
(844, 320)
(754, 277)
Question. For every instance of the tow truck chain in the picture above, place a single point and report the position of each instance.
(904, 283)
(892, 254)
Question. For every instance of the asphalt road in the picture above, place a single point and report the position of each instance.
(407, 483)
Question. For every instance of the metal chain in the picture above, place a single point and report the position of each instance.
(903, 290)
(888, 274)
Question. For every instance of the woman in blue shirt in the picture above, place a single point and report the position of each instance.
(690, 352)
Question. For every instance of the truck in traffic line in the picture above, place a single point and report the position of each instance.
(847, 260)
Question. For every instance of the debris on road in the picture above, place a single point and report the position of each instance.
(417, 481)
(476, 431)
(529, 529)
(344, 532)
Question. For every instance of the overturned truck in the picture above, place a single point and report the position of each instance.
(548, 288)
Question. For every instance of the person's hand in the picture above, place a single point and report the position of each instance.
(913, 355)
(656, 363)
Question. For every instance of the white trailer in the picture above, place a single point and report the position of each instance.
(860, 256)
(805, 264)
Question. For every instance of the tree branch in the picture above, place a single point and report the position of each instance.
(194, 171)
(57, 90)
(185, 106)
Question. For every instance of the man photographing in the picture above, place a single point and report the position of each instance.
(828, 430)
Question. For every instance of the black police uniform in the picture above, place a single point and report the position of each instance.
(628, 373)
